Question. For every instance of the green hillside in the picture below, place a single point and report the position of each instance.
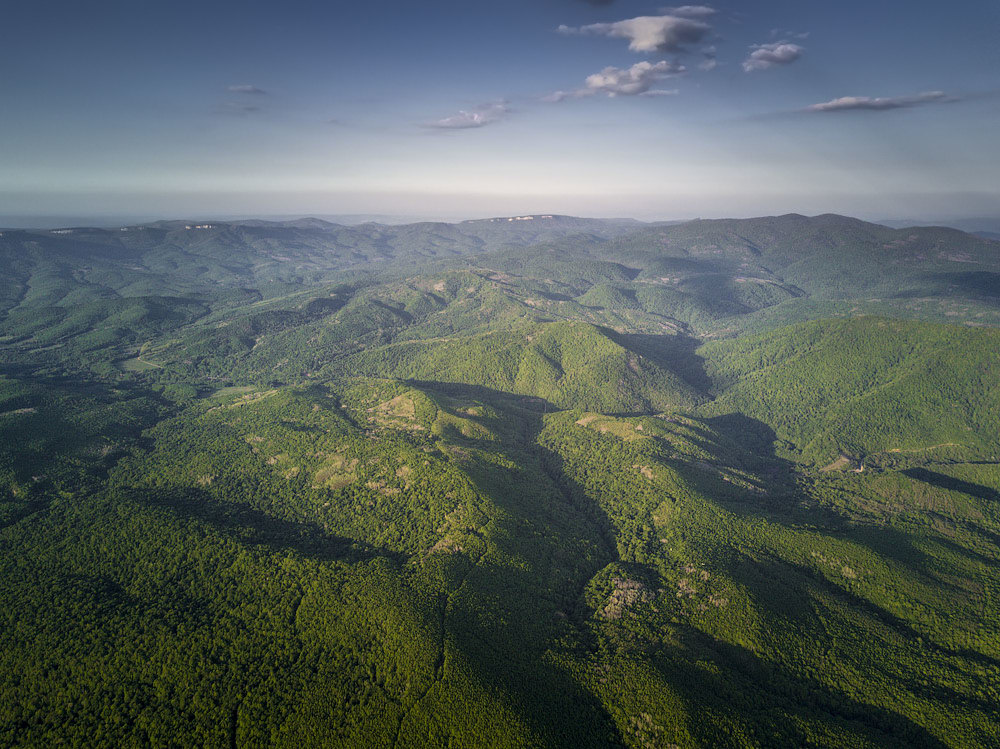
(403, 564)
(571, 365)
(869, 388)
(547, 482)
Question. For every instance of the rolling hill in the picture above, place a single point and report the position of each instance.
(546, 482)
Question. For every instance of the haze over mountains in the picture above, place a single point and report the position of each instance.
(699, 275)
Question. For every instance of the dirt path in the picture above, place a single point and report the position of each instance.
(923, 449)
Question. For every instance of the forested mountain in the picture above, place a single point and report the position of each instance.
(513, 482)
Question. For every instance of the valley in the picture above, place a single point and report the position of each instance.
(548, 482)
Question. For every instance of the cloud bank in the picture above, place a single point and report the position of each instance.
(879, 104)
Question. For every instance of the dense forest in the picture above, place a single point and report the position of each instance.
(559, 482)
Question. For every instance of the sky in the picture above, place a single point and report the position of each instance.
(459, 109)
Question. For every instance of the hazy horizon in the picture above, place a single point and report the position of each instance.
(970, 222)
(587, 108)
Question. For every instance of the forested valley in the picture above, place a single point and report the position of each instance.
(552, 482)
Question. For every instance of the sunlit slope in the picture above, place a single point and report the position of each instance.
(397, 565)
(572, 365)
(866, 388)
(280, 569)
(301, 335)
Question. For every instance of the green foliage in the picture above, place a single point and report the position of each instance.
(867, 388)
(553, 482)
(568, 364)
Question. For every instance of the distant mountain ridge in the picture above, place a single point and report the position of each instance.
(703, 275)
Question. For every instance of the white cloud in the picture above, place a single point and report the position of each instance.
(481, 116)
(881, 103)
(709, 63)
(665, 33)
(764, 56)
(637, 80)
(690, 11)
(246, 88)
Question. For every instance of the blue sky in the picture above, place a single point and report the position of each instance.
(474, 108)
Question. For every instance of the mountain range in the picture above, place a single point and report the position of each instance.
(519, 481)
